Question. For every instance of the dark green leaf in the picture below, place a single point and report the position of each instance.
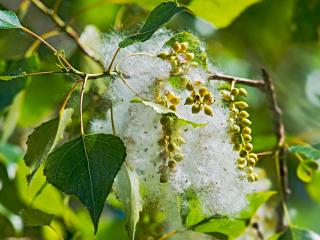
(35, 218)
(9, 20)
(158, 17)
(307, 151)
(194, 46)
(305, 170)
(86, 167)
(296, 233)
(127, 188)
(45, 137)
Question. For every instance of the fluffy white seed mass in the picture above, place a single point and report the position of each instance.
(209, 164)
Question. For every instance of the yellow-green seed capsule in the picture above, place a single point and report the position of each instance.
(180, 140)
(254, 156)
(241, 166)
(183, 81)
(226, 95)
(173, 107)
(243, 92)
(164, 178)
(208, 110)
(207, 96)
(245, 122)
(162, 142)
(243, 153)
(251, 177)
(243, 114)
(184, 46)
(178, 157)
(235, 91)
(163, 55)
(235, 139)
(174, 100)
(165, 120)
(189, 101)
(237, 147)
(164, 155)
(168, 131)
(235, 111)
(196, 108)
(189, 56)
(241, 104)
(177, 71)
(251, 161)
(247, 138)
(248, 147)
(249, 169)
(236, 129)
(241, 161)
(203, 91)
(172, 147)
(189, 87)
(163, 168)
(172, 163)
(246, 130)
(176, 47)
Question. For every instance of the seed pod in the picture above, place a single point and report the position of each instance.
(180, 140)
(208, 110)
(172, 163)
(251, 161)
(245, 122)
(189, 101)
(243, 114)
(174, 100)
(171, 147)
(247, 138)
(203, 91)
(237, 147)
(177, 71)
(254, 156)
(164, 178)
(248, 147)
(163, 55)
(235, 139)
(207, 96)
(165, 120)
(178, 157)
(183, 81)
(168, 131)
(241, 166)
(189, 56)
(163, 168)
(172, 58)
(195, 108)
(176, 47)
(243, 92)
(162, 142)
(241, 161)
(243, 153)
(249, 169)
(189, 87)
(246, 130)
(241, 104)
(236, 128)
(251, 177)
(235, 91)
(173, 107)
(184, 46)
(164, 155)
(226, 95)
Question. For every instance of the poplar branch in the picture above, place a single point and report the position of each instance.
(67, 29)
(252, 83)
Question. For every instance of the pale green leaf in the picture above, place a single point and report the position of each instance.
(86, 167)
(307, 151)
(35, 218)
(9, 20)
(306, 169)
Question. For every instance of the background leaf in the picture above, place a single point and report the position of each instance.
(306, 169)
(296, 233)
(158, 17)
(307, 151)
(86, 167)
(35, 218)
(9, 20)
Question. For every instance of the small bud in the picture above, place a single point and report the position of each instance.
(189, 101)
(243, 92)
(243, 153)
(189, 87)
(207, 96)
(168, 131)
(203, 91)
(235, 139)
(175, 100)
(164, 155)
(246, 130)
(248, 147)
(189, 56)
(184, 46)
(241, 166)
(241, 161)
(177, 71)
(245, 122)
(164, 178)
(162, 142)
(172, 163)
(241, 104)
(247, 138)
(195, 108)
(183, 81)
(251, 161)
(176, 47)
(235, 111)
(180, 140)
(243, 114)
(163, 168)
(163, 55)
(237, 147)
(208, 110)
(235, 91)
(172, 147)
(254, 156)
(250, 170)
(173, 107)
(178, 157)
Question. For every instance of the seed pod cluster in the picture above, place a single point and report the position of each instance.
(200, 98)
(240, 131)
(170, 143)
(180, 58)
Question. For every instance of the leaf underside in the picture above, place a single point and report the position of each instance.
(9, 20)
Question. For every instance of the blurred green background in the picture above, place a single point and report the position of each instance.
(240, 37)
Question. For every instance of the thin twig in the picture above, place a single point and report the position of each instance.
(169, 234)
(66, 99)
(81, 103)
(112, 60)
(280, 151)
(244, 81)
(67, 29)
(112, 120)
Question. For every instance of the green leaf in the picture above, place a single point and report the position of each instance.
(86, 167)
(10, 77)
(158, 17)
(306, 169)
(166, 111)
(194, 46)
(9, 20)
(35, 218)
(307, 151)
(10, 153)
(127, 188)
(45, 137)
(313, 187)
(220, 12)
(296, 233)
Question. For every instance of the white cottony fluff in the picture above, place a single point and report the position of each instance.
(209, 164)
